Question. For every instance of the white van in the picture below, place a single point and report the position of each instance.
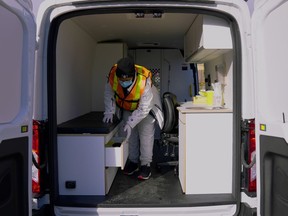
(51, 93)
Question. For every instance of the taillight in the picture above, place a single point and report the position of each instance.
(251, 155)
(248, 157)
(36, 158)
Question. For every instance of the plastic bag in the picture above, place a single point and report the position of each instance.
(217, 94)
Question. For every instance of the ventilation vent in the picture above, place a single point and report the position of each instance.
(148, 44)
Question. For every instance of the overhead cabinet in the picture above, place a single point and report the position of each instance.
(207, 38)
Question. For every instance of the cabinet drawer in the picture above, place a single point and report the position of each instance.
(116, 155)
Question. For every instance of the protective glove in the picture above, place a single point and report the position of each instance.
(127, 129)
(108, 118)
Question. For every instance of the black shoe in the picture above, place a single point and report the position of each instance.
(145, 172)
(131, 168)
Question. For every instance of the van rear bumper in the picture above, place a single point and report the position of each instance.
(161, 211)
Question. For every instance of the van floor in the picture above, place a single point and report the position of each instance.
(162, 188)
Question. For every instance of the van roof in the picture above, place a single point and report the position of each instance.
(139, 29)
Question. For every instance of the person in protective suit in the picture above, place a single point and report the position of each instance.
(130, 88)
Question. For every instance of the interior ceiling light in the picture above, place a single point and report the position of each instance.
(157, 14)
(139, 14)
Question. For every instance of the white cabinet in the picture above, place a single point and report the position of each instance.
(88, 163)
(207, 38)
(205, 151)
(106, 55)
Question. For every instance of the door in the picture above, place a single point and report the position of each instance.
(17, 36)
(270, 45)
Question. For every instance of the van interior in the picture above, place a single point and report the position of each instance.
(187, 51)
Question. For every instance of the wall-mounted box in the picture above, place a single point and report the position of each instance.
(207, 38)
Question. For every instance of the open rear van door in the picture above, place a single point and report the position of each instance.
(17, 46)
(270, 47)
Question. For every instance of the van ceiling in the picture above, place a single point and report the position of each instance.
(165, 32)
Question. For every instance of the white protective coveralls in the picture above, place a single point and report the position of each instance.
(141, 122)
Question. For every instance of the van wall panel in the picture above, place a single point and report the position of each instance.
(74, 65)
(106, 55)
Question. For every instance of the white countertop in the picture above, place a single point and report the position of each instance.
(189, 107)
